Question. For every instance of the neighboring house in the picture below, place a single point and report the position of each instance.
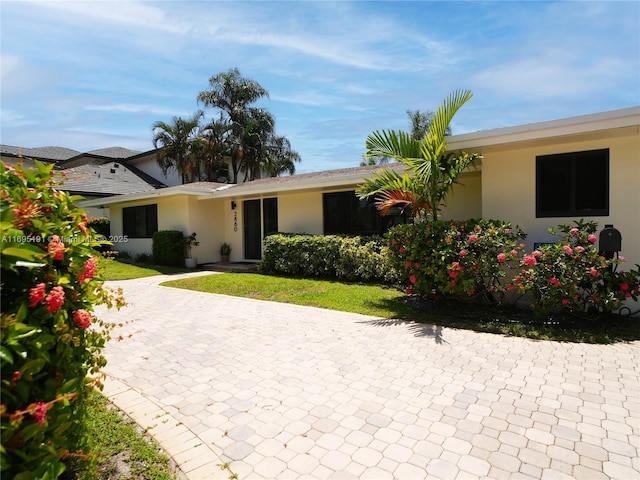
(96, 174)
(536, 176)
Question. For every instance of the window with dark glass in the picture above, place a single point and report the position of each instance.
(344, 213)
(269, 216)
(573, 184)
(140, 221)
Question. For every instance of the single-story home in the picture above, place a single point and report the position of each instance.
(537, 176)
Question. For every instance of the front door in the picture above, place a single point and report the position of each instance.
(252, 230)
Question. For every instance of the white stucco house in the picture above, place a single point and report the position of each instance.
(536, 176)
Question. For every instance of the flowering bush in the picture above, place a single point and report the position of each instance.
(51, 342)
(449, 258)
(571, 275)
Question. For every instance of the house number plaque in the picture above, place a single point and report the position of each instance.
(235, 221)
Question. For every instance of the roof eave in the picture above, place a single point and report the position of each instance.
(621, 118)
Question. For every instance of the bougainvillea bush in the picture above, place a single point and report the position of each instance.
(468, 259)
(571, 275)
(51, 341)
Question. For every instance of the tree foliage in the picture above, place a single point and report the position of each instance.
(51, 340)
(431, 171)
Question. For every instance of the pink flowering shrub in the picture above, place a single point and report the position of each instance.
(448, 258)
(571, 275)
(51, 342)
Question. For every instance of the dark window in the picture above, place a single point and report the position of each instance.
(573, 184)
(269, 216)
(344, 214)
(140, 222)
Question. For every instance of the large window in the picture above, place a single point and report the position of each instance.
(573, 184)
(344, 214)
(141, 221)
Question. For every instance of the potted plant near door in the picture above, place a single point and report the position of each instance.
(190, 241)
(225, 251)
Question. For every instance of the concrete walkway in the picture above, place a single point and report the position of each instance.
(287, 392)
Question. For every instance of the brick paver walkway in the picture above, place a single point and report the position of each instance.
(288, 392)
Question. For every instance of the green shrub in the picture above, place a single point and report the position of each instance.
(328, 256)
(572, 276)
(450, 258)
(168, 248)
(101, 225)
(49, 356)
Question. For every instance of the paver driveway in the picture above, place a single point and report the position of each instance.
(282, 392)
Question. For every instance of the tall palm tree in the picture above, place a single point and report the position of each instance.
(420, 123)
(280, 158)
(431, 172)
(174, 142)
(234, 94)
(215, 147)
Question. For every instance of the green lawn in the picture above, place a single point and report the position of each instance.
(118, 270)
(385, 302)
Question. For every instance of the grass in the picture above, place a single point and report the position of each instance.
(388, 303)
(123, 452)
(119, 270)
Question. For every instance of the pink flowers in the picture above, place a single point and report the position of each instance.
(536, 253)
(91, 265)
(82, 318)
(55, 299)
(529, 260)
(624, 286)
(592, 238)
(574, 231)
(409, 291)
(37, 295)
(501, 257)
(554, 281)
(567, 249)
(579, 249)
(514, 252)
(593, 271)
(412, 279)
(40, 413)
(56, 248)
(473, 237)
(463, 253)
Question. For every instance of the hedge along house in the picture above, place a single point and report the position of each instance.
(536, 176)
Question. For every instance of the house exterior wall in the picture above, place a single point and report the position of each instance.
(509, 187)
(173, 214)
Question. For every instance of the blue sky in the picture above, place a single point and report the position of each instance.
(94, 74)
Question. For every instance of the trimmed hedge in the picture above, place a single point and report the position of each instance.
(329, 256)
(168, 248)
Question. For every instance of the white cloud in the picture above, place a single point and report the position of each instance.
(126, 13)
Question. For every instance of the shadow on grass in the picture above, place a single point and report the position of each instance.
(426, 319)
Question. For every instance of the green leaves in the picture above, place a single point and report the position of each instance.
(48, 273)
(431, 172)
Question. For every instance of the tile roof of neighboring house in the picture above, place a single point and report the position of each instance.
(115, 152)
(48, 154)
(91, 171)
(104, 180)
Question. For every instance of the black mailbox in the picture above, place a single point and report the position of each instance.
(610, 241)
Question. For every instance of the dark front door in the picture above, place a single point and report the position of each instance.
(252, 230)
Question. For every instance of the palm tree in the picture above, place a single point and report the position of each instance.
(234, 94)
(214, 138)
(431, 172)
(420, 122)
(175, 144)
(280, 158)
